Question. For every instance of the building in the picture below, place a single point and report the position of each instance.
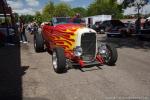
(90, 20)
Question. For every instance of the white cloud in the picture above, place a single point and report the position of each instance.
(18, 6)
(15, 4)
(146, 9)
(25, 11)
(84, 6)
(40, 10)
(120, 1)
(33, 3)
(130, 10)
(66, 0)
(133, 10)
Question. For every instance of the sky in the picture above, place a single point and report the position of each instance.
(31, 6)
(133, 10)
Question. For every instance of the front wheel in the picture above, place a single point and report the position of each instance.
(109, 53)
(59, 60)
(38, 42)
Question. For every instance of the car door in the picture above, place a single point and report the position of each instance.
(108, 26)
(103, 25)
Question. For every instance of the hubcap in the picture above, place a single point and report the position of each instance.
(54, 60)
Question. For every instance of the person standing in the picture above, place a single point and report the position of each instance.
(23, 37)
(76, 19)
(29, 28)
(138, 25)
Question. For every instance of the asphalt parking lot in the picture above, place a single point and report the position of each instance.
(129, 79)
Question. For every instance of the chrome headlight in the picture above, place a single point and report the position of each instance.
(78, 51)
(102, 49)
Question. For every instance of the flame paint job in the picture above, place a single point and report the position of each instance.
(63, 35)
(66, 36)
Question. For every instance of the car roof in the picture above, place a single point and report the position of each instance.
(114, 22)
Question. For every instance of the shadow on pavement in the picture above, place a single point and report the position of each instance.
(35, 99)
(87, 68)
(11, 73)
(131, 42)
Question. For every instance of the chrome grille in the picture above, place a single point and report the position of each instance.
(88, 44)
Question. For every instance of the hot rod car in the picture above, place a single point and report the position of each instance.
(71, 42)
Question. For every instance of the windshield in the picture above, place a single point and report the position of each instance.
(64, 20)
(61, 20)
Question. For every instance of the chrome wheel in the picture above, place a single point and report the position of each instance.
(54, 61)
(109, 53)
(59, 60)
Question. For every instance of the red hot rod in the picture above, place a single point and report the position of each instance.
(72, 43)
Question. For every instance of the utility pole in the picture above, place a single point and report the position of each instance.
(138, 8)
(136, 3)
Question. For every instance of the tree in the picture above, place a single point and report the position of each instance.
(136, 3)
(129, 3)
(48, 11)
(80, 10)
(58, 10)
(16, 17)
(62, 10)
(28, 18)
(108, 7)
(38, 17)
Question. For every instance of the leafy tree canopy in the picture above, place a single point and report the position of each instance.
(128, 3)
(62, 10)
(80, 10)
(98, 7)
(48, 11)
(108, 7)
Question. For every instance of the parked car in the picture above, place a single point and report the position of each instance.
(144, 34)
(113, 28)
(73, 43)
(97, 27)
(130, 28)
